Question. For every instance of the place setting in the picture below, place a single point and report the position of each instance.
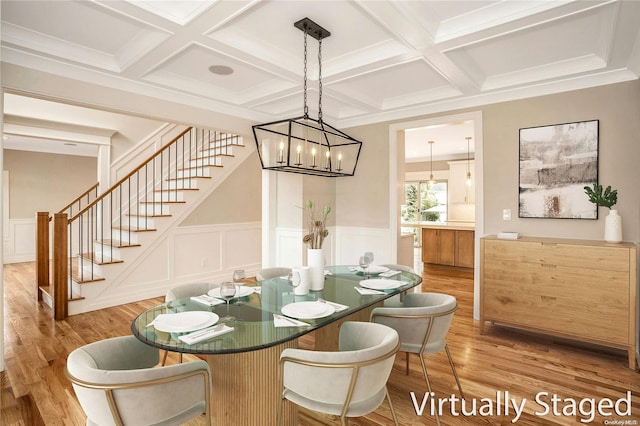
(190, 326)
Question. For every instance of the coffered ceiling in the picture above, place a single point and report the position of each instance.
(384, 60)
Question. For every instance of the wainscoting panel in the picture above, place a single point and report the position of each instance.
(352, 242)
(289, 247)
(197, 251)
(242, 247)
(20, 242)
(208, 253)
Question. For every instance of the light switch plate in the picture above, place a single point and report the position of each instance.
(506, 214)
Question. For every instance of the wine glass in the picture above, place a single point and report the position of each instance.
(364, 264)
(239, 276)
(227, 292)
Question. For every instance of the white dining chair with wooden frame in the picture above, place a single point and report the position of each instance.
(117, 381)
(350, 382)
(422, 322)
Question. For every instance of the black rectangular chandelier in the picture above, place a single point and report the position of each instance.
(303, 144)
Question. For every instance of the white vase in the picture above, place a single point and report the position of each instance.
(315, 261)
(613, 227)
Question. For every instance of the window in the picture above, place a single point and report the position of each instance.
(424, 204)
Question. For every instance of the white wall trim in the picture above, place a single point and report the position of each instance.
(394, 211)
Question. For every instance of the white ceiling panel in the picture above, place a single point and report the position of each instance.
(95, 37)
(385, 59)
(395, 86)
(579, 43)
(180, 12)
(188, 70)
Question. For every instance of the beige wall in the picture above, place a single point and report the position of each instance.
(238, 199)
(363, 200)
(45, 182)
(617, 106)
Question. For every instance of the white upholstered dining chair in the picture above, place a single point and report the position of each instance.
(350, 382)
(398, 299)
(266, 273)
(422, 322)
(117, 383)
(184, 291)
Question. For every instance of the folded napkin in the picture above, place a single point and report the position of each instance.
(389, 273)
(205, 299)
(282, 321)
(205, 334)
(257, 290)
(365, 291)
(338, 307)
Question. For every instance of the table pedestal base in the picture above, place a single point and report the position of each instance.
(246, 388)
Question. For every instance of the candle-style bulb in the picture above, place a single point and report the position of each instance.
(281, 153)
(298, 149)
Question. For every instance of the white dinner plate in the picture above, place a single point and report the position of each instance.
(241, 291)
(183, 322)
(308, 310)
(381, 284)
(373, 269)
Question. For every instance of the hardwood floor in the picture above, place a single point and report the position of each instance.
(34, 390)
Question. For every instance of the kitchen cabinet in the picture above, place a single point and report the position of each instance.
(449, 247)
(465, 248)
(457, 189)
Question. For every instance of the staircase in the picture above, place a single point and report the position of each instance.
(106, 238)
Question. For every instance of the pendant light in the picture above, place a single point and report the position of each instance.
(468, 168)
(431, 180)
(304, 144)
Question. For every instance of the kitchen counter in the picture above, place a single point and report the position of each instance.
(461, 226)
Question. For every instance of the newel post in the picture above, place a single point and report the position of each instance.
(42, 252)
(60, 286)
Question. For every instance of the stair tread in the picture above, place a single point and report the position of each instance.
(187, 178)
(134, 229)
(199, 167)
(150, 215)
(99, 259)
(221, 154)
(47, 289)
(84, 278)
(176, 189)
(163, 202)
(117, 243)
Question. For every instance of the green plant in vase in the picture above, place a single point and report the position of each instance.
(607, 197)
(602, 197)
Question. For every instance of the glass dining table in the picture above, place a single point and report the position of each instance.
(244, 362)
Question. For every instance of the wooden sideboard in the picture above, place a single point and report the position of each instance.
(577, 289)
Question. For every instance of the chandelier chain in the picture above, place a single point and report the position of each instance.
(306, 108)
(320, 80)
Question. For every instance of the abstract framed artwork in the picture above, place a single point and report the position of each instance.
(556, 163)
